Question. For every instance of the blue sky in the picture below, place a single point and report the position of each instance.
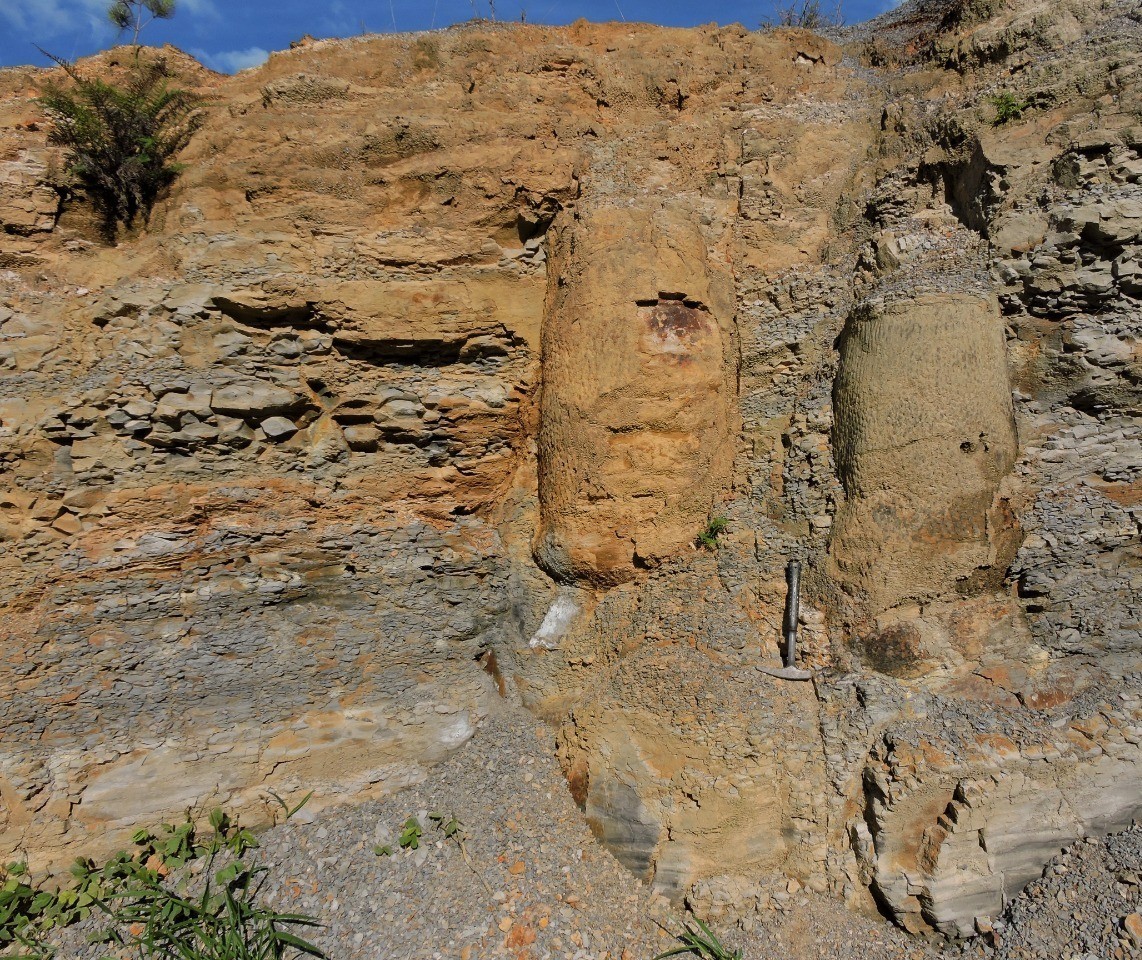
(228, 35)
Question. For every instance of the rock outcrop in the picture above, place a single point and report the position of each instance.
(638, 411)
(419, 386)
(924, 433)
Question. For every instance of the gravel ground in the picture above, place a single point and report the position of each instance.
(535, 885)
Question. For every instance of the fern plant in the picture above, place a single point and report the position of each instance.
(1008, 107)
(121, 140)
(708, 538)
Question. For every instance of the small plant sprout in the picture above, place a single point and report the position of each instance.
(702, 943)
(453, 829)
(1008, 107)
(708, 538)
(228, 834)
(411, 833)
(448, 825)
(286, 808)
(409, 838)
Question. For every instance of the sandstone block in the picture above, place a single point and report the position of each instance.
(639, 379)
(1132, 927)
(173, 406)
(1019, 232)
(255, 399)
(924, 432)
(362, 437)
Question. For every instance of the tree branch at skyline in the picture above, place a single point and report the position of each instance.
(133, 14)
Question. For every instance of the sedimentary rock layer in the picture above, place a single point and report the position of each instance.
(422, 382)
(924, 433)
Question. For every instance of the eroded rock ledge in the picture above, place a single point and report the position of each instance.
(420, 385)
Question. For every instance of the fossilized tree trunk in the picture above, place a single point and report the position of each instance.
(638, 383)
(924, 433)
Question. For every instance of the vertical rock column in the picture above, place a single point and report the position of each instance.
(639, 377)
(924, 433)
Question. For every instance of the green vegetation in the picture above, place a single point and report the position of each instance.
(708, 538)
(702, 943)
(120, 140)
(286, 808)
(409, 838)
(411, 834)
(452, 828)
(149, 908)
(223, 922)
(449, 825)
(22, 910)
(133, 15)
(1008, 107)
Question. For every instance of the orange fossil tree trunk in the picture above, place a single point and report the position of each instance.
(639, 382)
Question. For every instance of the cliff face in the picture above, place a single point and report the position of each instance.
(420, 385)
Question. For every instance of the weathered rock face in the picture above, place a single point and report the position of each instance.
(637, 418)
(249, 463)
(989, 810)
(444, 349)
(924, 433)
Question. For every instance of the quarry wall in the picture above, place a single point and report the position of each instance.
(418, 388)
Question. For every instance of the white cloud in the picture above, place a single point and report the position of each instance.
(34, 14)
(51, 16)
(340, 21)
(48, 22)
(200, 8)
(231, 61)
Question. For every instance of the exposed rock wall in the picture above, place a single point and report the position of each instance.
(421, 383)
(923, 435)
(249, 465)
(1055, 754)
(637, 417)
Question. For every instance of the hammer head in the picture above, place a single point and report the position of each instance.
(787, 673)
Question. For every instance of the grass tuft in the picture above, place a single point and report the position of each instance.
(701, 942)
